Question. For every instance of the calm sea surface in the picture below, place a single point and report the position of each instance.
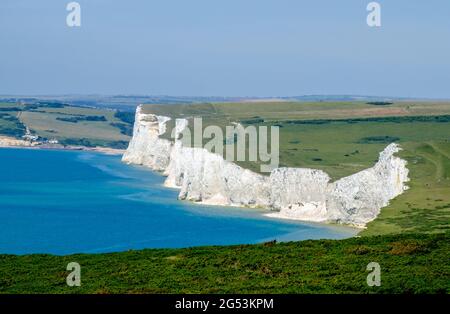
(64, 202)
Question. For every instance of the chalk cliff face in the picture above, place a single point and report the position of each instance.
(208, 178)
(146, 148)
(357, 199)
(292, 193)
(299, 193)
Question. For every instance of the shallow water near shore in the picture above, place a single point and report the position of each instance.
(64, 202)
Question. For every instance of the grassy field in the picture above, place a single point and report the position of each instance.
(274, 111)
(327, 136)
(10, 125)
(344, 138)
(425, 207)
(68, 124)
(409, 264)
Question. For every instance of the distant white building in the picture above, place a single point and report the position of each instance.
(30, 137)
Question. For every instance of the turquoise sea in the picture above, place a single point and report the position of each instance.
(63, 202)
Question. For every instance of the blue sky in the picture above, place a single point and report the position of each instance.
(225, 48)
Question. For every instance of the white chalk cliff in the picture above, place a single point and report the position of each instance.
(293, 193)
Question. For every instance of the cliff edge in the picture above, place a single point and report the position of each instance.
(291, 193)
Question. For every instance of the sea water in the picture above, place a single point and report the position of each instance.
(63, 202)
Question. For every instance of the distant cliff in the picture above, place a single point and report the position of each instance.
(293, 193)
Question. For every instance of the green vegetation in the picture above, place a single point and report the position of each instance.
(378, 139)
(425, 207)
(53, 123)
(94, 143)
(273, 111)
(10, 125)
(68, 124)
(76, 119)
(409, 264)
(9, 109)
(46, 105)
(442, 118)
(380, 103)
(126, 129)
(125, 116)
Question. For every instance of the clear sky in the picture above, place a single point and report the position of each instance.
(225, 48)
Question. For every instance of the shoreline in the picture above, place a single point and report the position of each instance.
(202, 177)
(10, 142)
(20, 144)
(264, 213)
(145, 208)
(282, 217)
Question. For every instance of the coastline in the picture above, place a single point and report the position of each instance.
(301, 194)
(10, 142)
(118, 208)
(264, 213)
(338, 226)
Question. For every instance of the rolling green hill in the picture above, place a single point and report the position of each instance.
(409, 264)
(68, 124)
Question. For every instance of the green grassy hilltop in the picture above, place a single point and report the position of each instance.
(68, 124)
(409, 264)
